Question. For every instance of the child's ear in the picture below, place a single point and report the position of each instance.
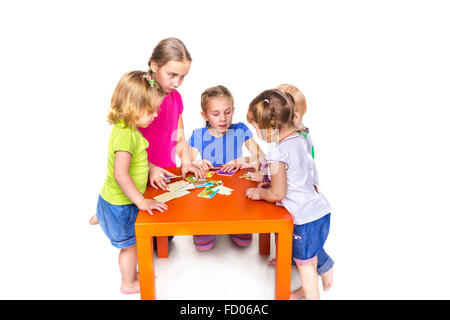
(153, 66)
(204, 115)
(297, 116)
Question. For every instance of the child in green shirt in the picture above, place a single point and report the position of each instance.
(134, 105)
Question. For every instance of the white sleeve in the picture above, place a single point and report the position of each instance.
(278, 155)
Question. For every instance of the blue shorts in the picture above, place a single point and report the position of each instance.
(309, 239)
(117, 222)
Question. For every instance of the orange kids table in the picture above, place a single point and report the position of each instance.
(232, 214)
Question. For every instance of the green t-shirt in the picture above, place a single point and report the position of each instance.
(124, 138)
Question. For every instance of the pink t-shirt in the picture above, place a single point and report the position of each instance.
(161, 134)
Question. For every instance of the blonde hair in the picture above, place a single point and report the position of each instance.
(132, 97)
(170, 49)
(215, 92)
(299, 100)
(272, 109)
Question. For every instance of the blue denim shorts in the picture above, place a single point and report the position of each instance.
(309, 239)
(117, 222)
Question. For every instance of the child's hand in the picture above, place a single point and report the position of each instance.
(203, 164)
(251, 165)
(157, 177)
(233, 165)
(253, 193)
(256, 176)
(149, 205)
(199, 173)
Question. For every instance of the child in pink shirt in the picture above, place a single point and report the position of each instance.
(169, 64)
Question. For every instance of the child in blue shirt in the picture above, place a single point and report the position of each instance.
(219, 143)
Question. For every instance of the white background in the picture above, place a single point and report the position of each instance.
(376, 75)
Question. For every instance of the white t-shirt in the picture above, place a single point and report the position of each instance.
(302, 201)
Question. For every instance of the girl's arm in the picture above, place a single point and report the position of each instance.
(121, 166)
(182, 149)
(246, 162)
(202, 164)
(278, 187)
(193, 153)
(254, 149)
(256, 154)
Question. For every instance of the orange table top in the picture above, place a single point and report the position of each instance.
(221, 214)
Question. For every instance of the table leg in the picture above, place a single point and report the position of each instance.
(264, 243)
(146, 272)
(162, 247)
(283, 266)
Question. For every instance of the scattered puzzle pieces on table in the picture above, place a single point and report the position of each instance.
(246, 175)
(212, 187)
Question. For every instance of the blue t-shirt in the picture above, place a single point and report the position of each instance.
(221, 150)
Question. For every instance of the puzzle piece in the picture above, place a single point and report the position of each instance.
(207, 183)
(223, 173)
(171, 195)
(223, 190)
(194, 179)
(177, 185)
(207, 193)
(246, 176)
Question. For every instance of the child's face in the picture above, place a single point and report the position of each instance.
(219, 113)
(146, 118)
(171, 75)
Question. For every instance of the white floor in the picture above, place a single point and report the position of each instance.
(69, 259)
(224, 272)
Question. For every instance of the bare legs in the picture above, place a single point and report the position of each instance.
(309, 279)
(128, 270)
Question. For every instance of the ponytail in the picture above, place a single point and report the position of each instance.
(271, 109)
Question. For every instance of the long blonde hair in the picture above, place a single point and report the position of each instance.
(132, 97)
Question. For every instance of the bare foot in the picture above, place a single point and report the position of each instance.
(327, 279)
(298, 293)
(134, 288)
(93, 220)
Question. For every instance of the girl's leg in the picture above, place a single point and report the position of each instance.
(128, 270)
(325, 269)
(204, 243)
(309, 280)
(242, 240)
